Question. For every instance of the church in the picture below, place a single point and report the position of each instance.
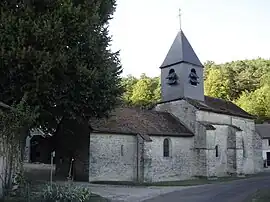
(186, 135)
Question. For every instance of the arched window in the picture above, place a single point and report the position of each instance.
(193, 70)
(193, 78)
(166, 148)
(216, 148)
(172, 77)
(122, 150)
(171, 71)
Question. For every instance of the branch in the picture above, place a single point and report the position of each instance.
(3, 105)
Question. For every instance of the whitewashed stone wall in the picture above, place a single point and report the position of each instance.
(265, 144)
(265, 147)
(249, 160)
(240, 152)
(178, 166)
(217, 165)
(226, 162)
(181, 109)
(253, 161)
(258, 158)
(186, 113)
(106, 159)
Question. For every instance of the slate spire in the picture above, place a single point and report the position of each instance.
(181, 51)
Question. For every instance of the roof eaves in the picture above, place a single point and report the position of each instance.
(173, 134)
(144, 136)
(112, 132)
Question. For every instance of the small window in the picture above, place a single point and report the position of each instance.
(166, 148)
(172, 77)
(193, 78)
(216, 148)
(122, 150)
(268, 142)
(244, 149)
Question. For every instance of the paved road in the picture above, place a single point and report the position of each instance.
(235, 191)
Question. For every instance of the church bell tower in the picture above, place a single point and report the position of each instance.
(181, 72)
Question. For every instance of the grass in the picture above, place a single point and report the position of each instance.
(94, 198)
(262, 195)
(35, 189)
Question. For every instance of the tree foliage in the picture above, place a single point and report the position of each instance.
(141, 92)
(57, 52)
(244, 82)
(235, 77)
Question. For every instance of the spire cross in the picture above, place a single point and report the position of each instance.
(180, 22)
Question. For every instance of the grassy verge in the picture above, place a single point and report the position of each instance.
(193, 182)
(259, 196)
(94, 198)
(35, 189)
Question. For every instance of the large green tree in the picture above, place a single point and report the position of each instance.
(142, 91)
(57, 53)
(258, 101)
(231, 79)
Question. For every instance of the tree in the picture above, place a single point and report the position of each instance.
(128, 84)
(216, 84)
(15, 121)
(239, 76)
(57, 52)
(157, 89)
(257, 102)
(141, 92)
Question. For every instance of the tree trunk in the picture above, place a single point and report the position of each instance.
(72, 141)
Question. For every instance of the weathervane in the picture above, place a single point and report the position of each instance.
(180, 23)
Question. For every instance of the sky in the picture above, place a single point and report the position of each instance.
(218, 30)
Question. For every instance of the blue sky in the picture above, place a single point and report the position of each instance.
(218, 30)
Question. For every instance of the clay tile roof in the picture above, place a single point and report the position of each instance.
(138, 121)
(263, 130)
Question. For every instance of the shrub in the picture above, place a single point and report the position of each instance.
(64, 193)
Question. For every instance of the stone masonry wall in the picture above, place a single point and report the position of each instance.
(258, 158)
(217, 165)
(108, 162)
(181, 109)
(186, 113)
(265, 148)
(240, 152)
(178, 166)
(232, 151)
(253, 162)
(251, 155)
